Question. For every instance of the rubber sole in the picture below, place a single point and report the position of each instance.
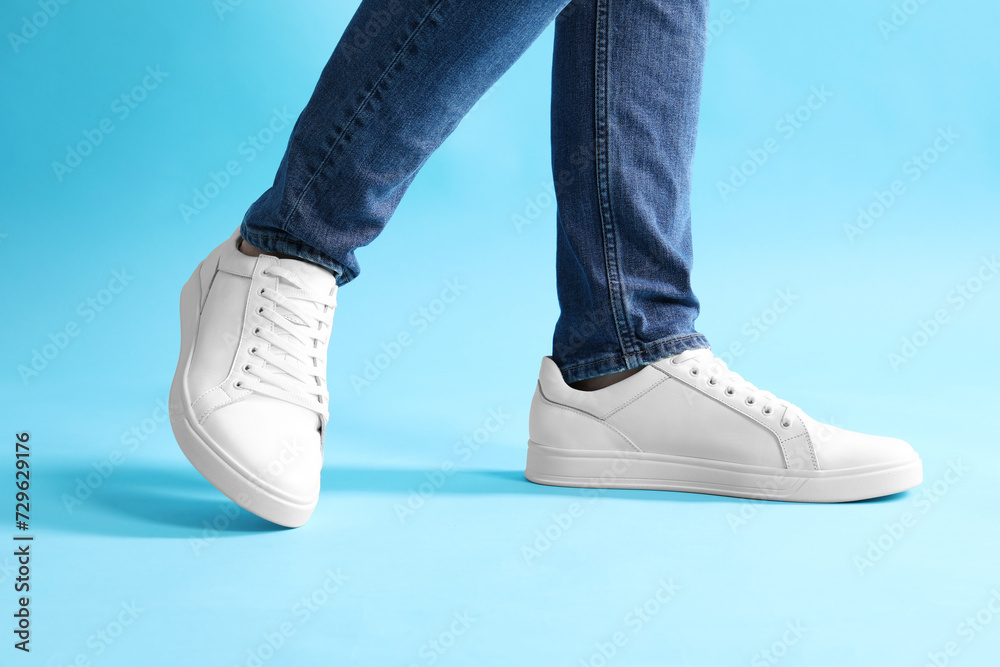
(555, 466)
(207, 456)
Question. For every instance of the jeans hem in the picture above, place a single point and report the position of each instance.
(647, 353)
(279, 242)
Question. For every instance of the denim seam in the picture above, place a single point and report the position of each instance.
(649, 349)
(603, 188)
(347, 126)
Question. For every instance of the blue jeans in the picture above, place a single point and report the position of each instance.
(626, 82)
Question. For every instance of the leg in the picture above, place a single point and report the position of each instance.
(248, 404)
(624, 120)
(402, 77)
(626, 88)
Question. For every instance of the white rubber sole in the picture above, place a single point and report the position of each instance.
(208, 458)
(555, 466)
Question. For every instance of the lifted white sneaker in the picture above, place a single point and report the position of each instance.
(688, 423)
(248, 404)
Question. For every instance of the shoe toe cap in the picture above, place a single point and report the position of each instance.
(837, 448)
(276, 446)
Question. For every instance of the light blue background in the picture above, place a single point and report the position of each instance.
(209, 603)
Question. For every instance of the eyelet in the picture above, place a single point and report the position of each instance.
(730, 391)
(253, 350)
(246, 368)
(713, 381)
(785, 424)
(261, 291)
(694, 371)
(256, 331)
(766, 410)
(750, 400)
(238, 384)
(260, 311)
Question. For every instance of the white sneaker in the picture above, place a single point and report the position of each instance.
(688, 423)
(248, 404)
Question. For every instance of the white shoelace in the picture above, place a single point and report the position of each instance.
(720, 374)
(294, 366)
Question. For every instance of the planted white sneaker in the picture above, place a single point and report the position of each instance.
(248, 404)
(688, 423)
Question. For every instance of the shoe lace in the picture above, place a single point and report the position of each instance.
(294, 364)
(704, 361)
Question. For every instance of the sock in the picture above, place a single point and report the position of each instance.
(602, 381)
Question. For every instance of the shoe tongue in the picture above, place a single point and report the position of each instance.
(315, 280)
(702, 354)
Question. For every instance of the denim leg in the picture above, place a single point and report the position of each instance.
(626, 89)
(403, 75)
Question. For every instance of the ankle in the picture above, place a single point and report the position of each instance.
(251, 251)
(602, 381)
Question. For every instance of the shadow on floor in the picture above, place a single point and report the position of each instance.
(146, 500)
